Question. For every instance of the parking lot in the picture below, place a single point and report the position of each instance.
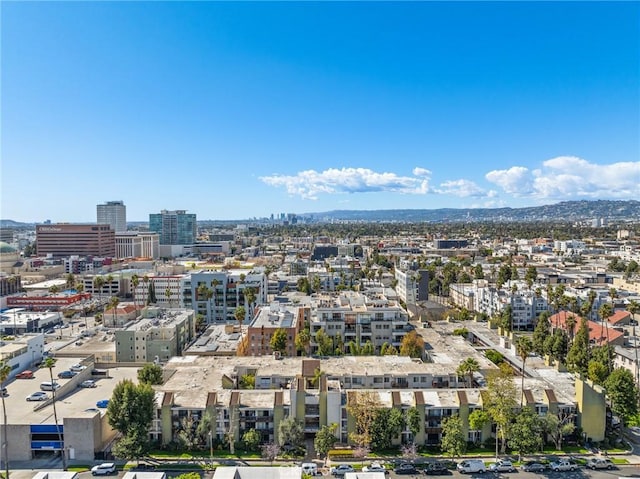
(71, 399)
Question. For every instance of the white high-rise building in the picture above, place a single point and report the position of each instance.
(113, 213)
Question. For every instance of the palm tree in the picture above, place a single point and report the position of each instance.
(214, 284)
(605, 312)
(113, 303)
(239, 314)
(70, 278)
(250, 296)
(524, 346)
(467, 368)
(135, 281)
(5, 370)
(98, 283)
(168, 293)
(49, 363)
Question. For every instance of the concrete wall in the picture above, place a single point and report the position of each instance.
(591, 409)
(80, 436)
(19, 442)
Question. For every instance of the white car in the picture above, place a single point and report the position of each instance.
(38, 396)
(502, 465)
(342, 469)
(374, 467)
(103, 469)
(77, 368)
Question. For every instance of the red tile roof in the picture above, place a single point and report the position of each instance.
(598, 332)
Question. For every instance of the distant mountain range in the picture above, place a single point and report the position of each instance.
(566, 210)
(628, 210)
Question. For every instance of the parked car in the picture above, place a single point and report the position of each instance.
(25, 375)
(77, 368)
(66, 374)
(502, 465)
(563, 465)
(533, 466)
(342, 469)
(38, 396)
(103, 469)
(599, 463)
(310, 468)
(103, 403)
(375, 467)
(471, 466)
(435, 468)
(89, 383)
(405, 468)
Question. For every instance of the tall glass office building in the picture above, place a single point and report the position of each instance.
(174, 227)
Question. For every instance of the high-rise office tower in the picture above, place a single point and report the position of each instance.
(174, 227)
(113, 213)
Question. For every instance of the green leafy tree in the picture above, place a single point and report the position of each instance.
(290, 432)
(558, 426)
(525, 435)
(500, 402)
(325, 343)
(541, 333)
(49, 363)
(414, 421)
(598, 372)
(247, 381)
(130, 412)
(623, 393)
(5, 371)
(132, 446)
(362, 406)
(578, 355)
(454, 442)
(494, 356)
(325, 439)
(150, 374)
(524, 346)
(478, 418)
(388, 423)
(251, 440)
(279, 341)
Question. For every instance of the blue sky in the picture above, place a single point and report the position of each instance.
(238, 110)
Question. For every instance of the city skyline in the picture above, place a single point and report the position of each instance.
(241, 110)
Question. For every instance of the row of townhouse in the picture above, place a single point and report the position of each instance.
(317, 400)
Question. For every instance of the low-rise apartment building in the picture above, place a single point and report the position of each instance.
(155, 338)
(359, 317)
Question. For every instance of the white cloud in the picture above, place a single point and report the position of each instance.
(463, 188)
(309, 184)
(568, 177)
(516, 181)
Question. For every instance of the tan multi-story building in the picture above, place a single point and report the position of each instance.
(156, 338)
(137, 245)
(359, 317)
(75, 239)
